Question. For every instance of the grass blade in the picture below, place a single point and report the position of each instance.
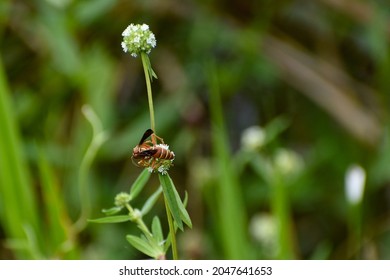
(17, 200)
(230, 208)
(58, 221)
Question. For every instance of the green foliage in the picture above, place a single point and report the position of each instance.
(175, 205)
(113, 219)
(312, 75)
(139, 183)
(18, 206)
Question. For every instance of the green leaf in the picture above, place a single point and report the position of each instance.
(139, 183)
(56, 218)
(151, 201)
(141, 245)
(112, 211)
(167, 243)
(151, 73)
(110, 220)
(18, 200)
(171, 198)
(185, 217)
(157, 230)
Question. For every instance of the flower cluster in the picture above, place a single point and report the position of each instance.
(122, 199)
(253, 138)
(137, 39)
(161, 165)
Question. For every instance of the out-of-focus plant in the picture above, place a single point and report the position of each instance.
(279, 168)
(355, 179)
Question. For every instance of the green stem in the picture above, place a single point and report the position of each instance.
(171, 231)
(148, 75)
(281, 212)
(98, 138)
(355, 232)
(81, 223)
(139, 222)
(145, 64)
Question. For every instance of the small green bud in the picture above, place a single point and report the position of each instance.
(135, 215)
(287, 162)
(121, 199)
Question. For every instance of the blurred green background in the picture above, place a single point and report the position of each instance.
(310, 77)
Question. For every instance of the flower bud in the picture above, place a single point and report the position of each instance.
(121, 199)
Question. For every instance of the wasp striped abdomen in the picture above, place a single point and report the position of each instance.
(163, 152)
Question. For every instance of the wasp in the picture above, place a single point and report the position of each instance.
(148, 153)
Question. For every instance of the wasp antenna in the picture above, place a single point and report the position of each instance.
(146, 135)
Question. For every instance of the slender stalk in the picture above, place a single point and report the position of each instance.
(172, 231)
(355, 232)
(147, 69)
(281, 212)
(144, 57)
(81, 223)
(140, 222)
(98, 138)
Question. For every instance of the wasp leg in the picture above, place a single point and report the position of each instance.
(154, 137)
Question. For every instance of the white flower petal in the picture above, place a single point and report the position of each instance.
(144, 27)
(124, 47)
(355, 179)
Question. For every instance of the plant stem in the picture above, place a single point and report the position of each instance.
(145, 64)
(139, 222)
(172, 231)
(148, 75)
(98, 138)
(281, 212)
(355, 232)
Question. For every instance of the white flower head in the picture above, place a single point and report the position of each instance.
(287, 162)
(163, 170)
(355, 179)
(263, 228)
(253, 138)
(150, 169)
(164, 166)
(137, 39)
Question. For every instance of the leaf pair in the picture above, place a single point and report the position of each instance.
(152, 246)
(175, 205)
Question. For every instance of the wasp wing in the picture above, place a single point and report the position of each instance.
(145, 136)
(147, 153)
